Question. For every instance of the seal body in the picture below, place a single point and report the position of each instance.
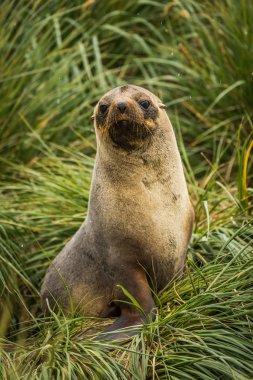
(139, 223)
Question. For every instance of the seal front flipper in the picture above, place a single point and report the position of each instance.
(133, 299)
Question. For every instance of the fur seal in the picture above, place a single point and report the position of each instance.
(139, 223)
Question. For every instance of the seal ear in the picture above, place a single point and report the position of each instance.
(92, 117)
(161, 105)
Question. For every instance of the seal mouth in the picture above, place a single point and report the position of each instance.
(128, 134)
(123, 123)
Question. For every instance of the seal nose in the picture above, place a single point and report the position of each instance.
(122, 106)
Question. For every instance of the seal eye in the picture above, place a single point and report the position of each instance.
(103, 108)
(145, 104)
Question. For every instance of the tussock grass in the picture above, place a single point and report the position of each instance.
(56, 60)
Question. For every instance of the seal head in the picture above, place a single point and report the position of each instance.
(128, 114)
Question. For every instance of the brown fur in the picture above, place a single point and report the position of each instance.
(139, 218)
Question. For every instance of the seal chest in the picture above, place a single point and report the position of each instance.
(139, 221)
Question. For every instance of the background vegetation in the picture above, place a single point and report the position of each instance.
(57, 58)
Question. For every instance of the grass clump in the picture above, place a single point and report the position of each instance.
(56, 61)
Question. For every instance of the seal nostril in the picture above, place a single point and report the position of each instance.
(122, 106)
